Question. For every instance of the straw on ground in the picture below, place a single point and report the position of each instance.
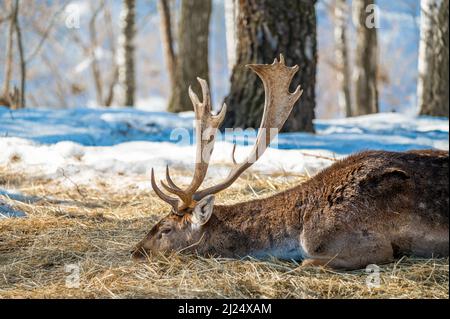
(76, 242)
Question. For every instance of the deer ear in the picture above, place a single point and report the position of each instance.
(203, 211)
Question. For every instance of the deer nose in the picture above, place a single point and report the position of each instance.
(139, 253)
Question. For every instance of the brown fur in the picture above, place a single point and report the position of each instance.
(368, 208)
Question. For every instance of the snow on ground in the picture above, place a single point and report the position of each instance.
(121, 144)
(7, 211)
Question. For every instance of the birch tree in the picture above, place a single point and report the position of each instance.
(165, 17)
(126, 59)
(433, 82)
(231, 15)
(341, 9)
(366, 57)
(14, 98)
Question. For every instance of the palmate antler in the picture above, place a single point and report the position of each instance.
(205, 131)
(278, 105)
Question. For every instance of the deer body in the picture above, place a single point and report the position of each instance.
(368, 208)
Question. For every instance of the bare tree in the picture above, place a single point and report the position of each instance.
(39, 37)
(126, 61)
(114, 72)
(16, 98)
(366, 57)
(433, 82)
(23, 66)
(60, 89)
(167, 38)
(192, 56)
(93, 53)
(265, 29)
(5, 18)
(46, 32)
(231, 15)
(4, 99)
(341, 9)
(104, 81)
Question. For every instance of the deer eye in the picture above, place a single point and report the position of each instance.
(165, 231)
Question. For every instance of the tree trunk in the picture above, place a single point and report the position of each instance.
(231, 14)
(342, 60)
(165, 17)
(126, 53)
(433, 82)
(265, 29)
(95, 67)
(366, 57)
(15, 98)
(192, 57)
(23, 67)
(115, 70)
(9, 53)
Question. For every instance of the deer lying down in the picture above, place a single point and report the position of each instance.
(369, 208)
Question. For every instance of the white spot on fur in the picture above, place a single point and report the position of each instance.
(195, 226)
(290, 250)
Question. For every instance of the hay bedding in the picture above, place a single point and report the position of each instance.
(95, 228)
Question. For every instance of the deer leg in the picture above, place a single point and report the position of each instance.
(315, 262)
(350, 251)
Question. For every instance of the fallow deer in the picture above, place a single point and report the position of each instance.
(366, 209)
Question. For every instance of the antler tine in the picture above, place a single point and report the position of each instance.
(206, 94)
(205, 130)
(205, 125)
(278, 105)
(232, 154)
(170, 200)
(220, 116)
(173, 188)
(179, 192)
(194, 98)
(170, 180)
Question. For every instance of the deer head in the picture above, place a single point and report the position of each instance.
(192, 208)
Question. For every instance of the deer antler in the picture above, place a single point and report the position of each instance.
(278, 105)
(205, 131)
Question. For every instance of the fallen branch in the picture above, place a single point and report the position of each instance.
(320, 156)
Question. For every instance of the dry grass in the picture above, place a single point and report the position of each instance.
(96, 229)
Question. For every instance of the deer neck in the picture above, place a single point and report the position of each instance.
(259, 228)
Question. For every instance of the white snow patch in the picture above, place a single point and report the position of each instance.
(152, 103)
(121, 145)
